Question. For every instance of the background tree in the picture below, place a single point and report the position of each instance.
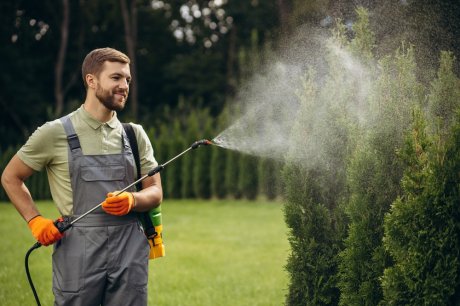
(129, 14)
(421, 230)
(311, 264)
(61, 57)
(202, 159)
(444, 95)
(176, 145)
(219, 161)
(269, 182)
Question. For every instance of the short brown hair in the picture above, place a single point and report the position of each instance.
(93, 62)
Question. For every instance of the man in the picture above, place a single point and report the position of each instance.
(103, 258)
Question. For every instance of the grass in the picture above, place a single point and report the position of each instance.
(217, 253)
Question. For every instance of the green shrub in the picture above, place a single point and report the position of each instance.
(247, 176)
(421, 230)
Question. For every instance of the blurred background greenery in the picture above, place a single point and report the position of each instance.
(186, 54)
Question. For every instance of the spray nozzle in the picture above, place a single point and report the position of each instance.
(198, 143)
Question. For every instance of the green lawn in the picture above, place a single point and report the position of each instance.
(217, 253)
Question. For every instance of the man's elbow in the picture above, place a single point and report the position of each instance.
(158, 199)
(6, 178)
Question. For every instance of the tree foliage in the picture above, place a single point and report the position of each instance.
(310, 202)
(357, 122)
(421, 230)
(374, 174)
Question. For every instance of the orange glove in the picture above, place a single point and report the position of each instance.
(118, 205)
(44, 230)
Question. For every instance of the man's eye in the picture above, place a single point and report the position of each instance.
(115, 78)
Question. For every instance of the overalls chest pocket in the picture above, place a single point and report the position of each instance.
(103, 168)
(103, 173)
(98, 176)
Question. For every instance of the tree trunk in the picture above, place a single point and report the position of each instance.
(283, 11)
(130, 25)
(60, 62)
(231, 77)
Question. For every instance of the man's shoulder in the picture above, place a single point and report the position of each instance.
(50, 128)
(135, 126)
(54, 129)
(142, 138)
(138, 130)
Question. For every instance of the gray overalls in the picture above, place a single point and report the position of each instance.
(102, 259)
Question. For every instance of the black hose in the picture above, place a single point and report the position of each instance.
(35, 246)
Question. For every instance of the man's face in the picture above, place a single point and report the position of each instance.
(112, 87)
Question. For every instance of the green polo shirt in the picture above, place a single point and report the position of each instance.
(47, 148)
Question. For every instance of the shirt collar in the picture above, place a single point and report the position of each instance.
(95, 124)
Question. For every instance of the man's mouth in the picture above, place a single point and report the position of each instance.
(121, 94)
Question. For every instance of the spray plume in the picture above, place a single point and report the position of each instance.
(271, 103)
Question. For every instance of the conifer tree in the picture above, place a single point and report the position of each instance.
(191, 135)
(268, 178)
(444, 97)
(162, 147)
(374, 174)
(247, 176)
(311, 265)
(176, 145)
(231, 174)
(219, 161)
(421, 230)
(202, 158)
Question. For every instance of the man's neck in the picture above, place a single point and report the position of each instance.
(97, 110)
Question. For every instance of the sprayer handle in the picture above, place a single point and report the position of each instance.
(202, 142)
(155, 170)
(62, 224)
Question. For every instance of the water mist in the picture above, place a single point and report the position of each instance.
(270, 104)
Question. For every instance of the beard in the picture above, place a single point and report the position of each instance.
(109, 100)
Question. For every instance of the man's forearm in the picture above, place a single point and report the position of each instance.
(147, 199)
(20, 197)
(13, 177)
(151, 194)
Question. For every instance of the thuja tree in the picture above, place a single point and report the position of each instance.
(269, 172)
(313, 188)
(444, 97)
(374, 174)
(202, 159)
(421, 231)
(422, 228)
(325, 135)
(248, 176)
(231, 174)
(219, 161)
(176, 144)
(191, 134)
(308, 221)
(161, 143)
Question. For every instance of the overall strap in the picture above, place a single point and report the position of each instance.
(149, 228)
(134, 148)
(72, 138)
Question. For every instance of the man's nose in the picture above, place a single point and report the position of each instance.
(124, 84)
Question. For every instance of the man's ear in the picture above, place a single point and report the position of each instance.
(91, 80)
